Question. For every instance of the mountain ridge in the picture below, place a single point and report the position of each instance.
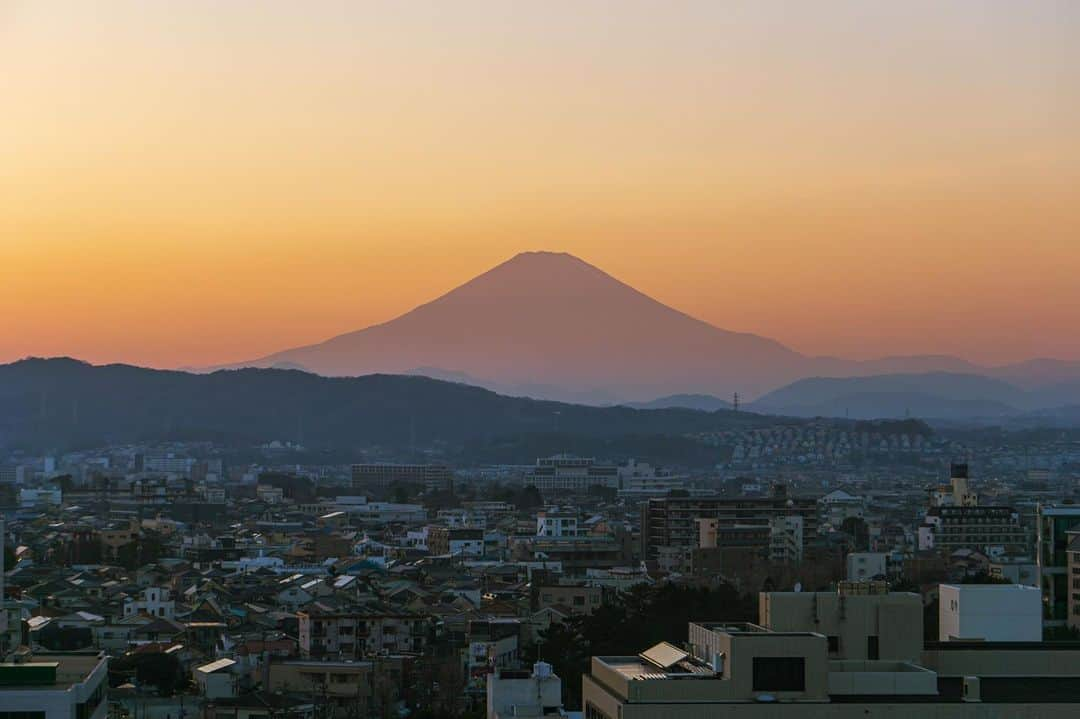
(509, 324)
(932, 395)
(701, 402)
(552, 326)
(63, 402)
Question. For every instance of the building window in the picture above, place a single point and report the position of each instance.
(872, 647)
(834, 644)
(779, 674)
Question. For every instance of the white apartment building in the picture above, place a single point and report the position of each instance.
(786, 539)
(154, 601)
(838, 505)
(864, 566)
(571, 474)
(555, 523)
(61, 686)
(639, 479)
(522, 693)
(384, 512)
(270, 494)
(30, 498)
(990, 612)
(168, 464)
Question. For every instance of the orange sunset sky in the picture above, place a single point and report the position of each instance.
(199, 182)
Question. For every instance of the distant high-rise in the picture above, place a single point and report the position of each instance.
(563, 473)
(379, 477)
(672, 521)
(1052, 554)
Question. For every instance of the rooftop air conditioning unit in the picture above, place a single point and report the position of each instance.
(971, 690)
(718, 662)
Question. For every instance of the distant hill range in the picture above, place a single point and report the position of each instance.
(933, 395)
(702, 402)
(66, 403)
(549, 325)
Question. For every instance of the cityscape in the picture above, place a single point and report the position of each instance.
(487, 360)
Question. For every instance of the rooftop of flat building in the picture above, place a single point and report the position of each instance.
(939, 690)
(992, 690)
(734, 627)
(984, 646)
(638, 669)
(327, 664)
(988, 588)
(1059, 510)
(49, 671)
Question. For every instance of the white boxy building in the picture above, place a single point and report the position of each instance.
(55, 686)
(518, 693)
(990, 612)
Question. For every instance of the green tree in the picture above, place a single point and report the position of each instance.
(159, 670)
(633, 622)
(65, 482)
(529, 498)
(400, 493)
(859, 531)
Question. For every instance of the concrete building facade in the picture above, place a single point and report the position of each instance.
(990, 612)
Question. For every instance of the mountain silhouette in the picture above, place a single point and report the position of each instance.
(549, 325)
(700, 402)
(933, 395)
(65, 403)
(549, 320)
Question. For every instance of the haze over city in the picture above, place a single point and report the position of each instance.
(191, 184)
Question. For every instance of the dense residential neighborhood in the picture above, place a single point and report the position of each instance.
(176, 582)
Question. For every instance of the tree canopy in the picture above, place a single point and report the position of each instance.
(633, 622)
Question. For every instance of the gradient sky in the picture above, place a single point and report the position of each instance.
(201, 181)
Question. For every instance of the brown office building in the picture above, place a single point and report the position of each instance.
(672, 521)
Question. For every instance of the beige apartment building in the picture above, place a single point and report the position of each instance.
(577, 598)
(359, 633)
(348, 686)
(856, 626)
(810, 658)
